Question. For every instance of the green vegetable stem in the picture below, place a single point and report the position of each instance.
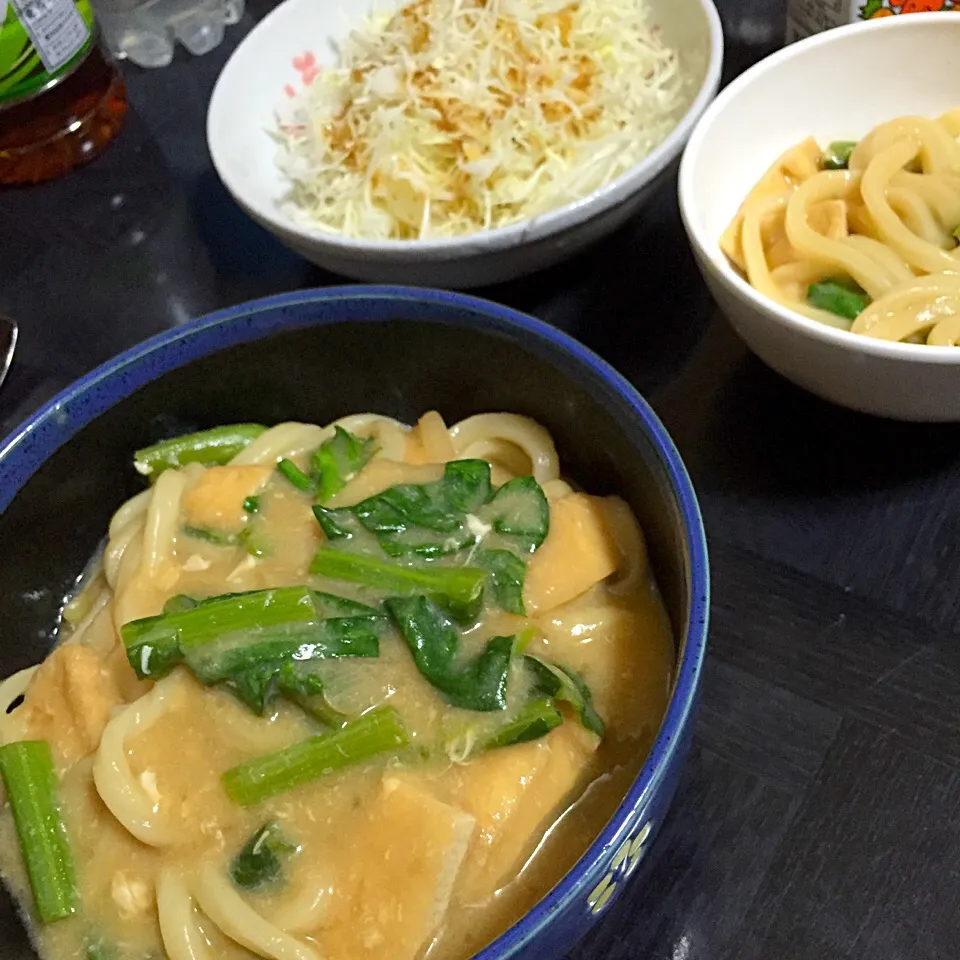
(209, 447)
(374, 733)
(224, 636)
(33, 794)
(460, 589)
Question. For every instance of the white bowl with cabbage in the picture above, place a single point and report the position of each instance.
(458, 142)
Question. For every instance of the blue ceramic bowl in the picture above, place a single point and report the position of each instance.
(315, 355)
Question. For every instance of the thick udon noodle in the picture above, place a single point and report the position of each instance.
(163, 871)
(888, 222)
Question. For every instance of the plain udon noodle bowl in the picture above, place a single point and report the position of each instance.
(862, 236)
(361, 690)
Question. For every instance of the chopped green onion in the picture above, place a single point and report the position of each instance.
(837, 298)
(837, 156)
(209, 447)
(376, 732)
(460, 588)
(296, 476)
(259, 860)
(33, 793)
(251, 504)
(535, 720)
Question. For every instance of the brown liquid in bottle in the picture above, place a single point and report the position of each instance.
(65, 126)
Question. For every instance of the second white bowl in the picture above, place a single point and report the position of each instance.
(834, 86)
(251, 85)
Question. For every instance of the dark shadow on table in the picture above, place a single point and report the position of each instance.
(750, 432)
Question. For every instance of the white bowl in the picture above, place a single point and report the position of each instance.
(251, 85)
(835, 86)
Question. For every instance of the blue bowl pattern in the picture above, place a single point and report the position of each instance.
(554, 925)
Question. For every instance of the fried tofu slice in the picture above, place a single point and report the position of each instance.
(395, 874)
(577, 553)
(68, 701)
(514, 794)
(215, 501)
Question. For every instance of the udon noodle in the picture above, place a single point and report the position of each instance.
(332, 693)
(861, 236)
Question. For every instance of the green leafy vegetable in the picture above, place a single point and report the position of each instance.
(332, 464)
(221, 636)
(471, 684)
(535, 720)
(837, 298)
(507, 574)
(565, 684)
(376, 732)
(252, 665)
(520, 509)
(260, 860)
(338, 460)
(459, 589)
(430, 519)
(34, 797)
(837, 156)
(209, 447)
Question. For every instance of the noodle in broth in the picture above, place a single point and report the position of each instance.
(434, 843)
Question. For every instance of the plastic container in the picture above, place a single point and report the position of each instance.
(62, 99)
(806, 17)
(146, 31)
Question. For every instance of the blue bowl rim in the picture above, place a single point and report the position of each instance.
(146, 361)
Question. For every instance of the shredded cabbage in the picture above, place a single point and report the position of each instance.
(454, 116)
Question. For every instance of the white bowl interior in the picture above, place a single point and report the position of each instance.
(252, 84)
(834, 87)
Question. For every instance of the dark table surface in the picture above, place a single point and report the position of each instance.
(818, 814)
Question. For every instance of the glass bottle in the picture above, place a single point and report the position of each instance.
(62, 99)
